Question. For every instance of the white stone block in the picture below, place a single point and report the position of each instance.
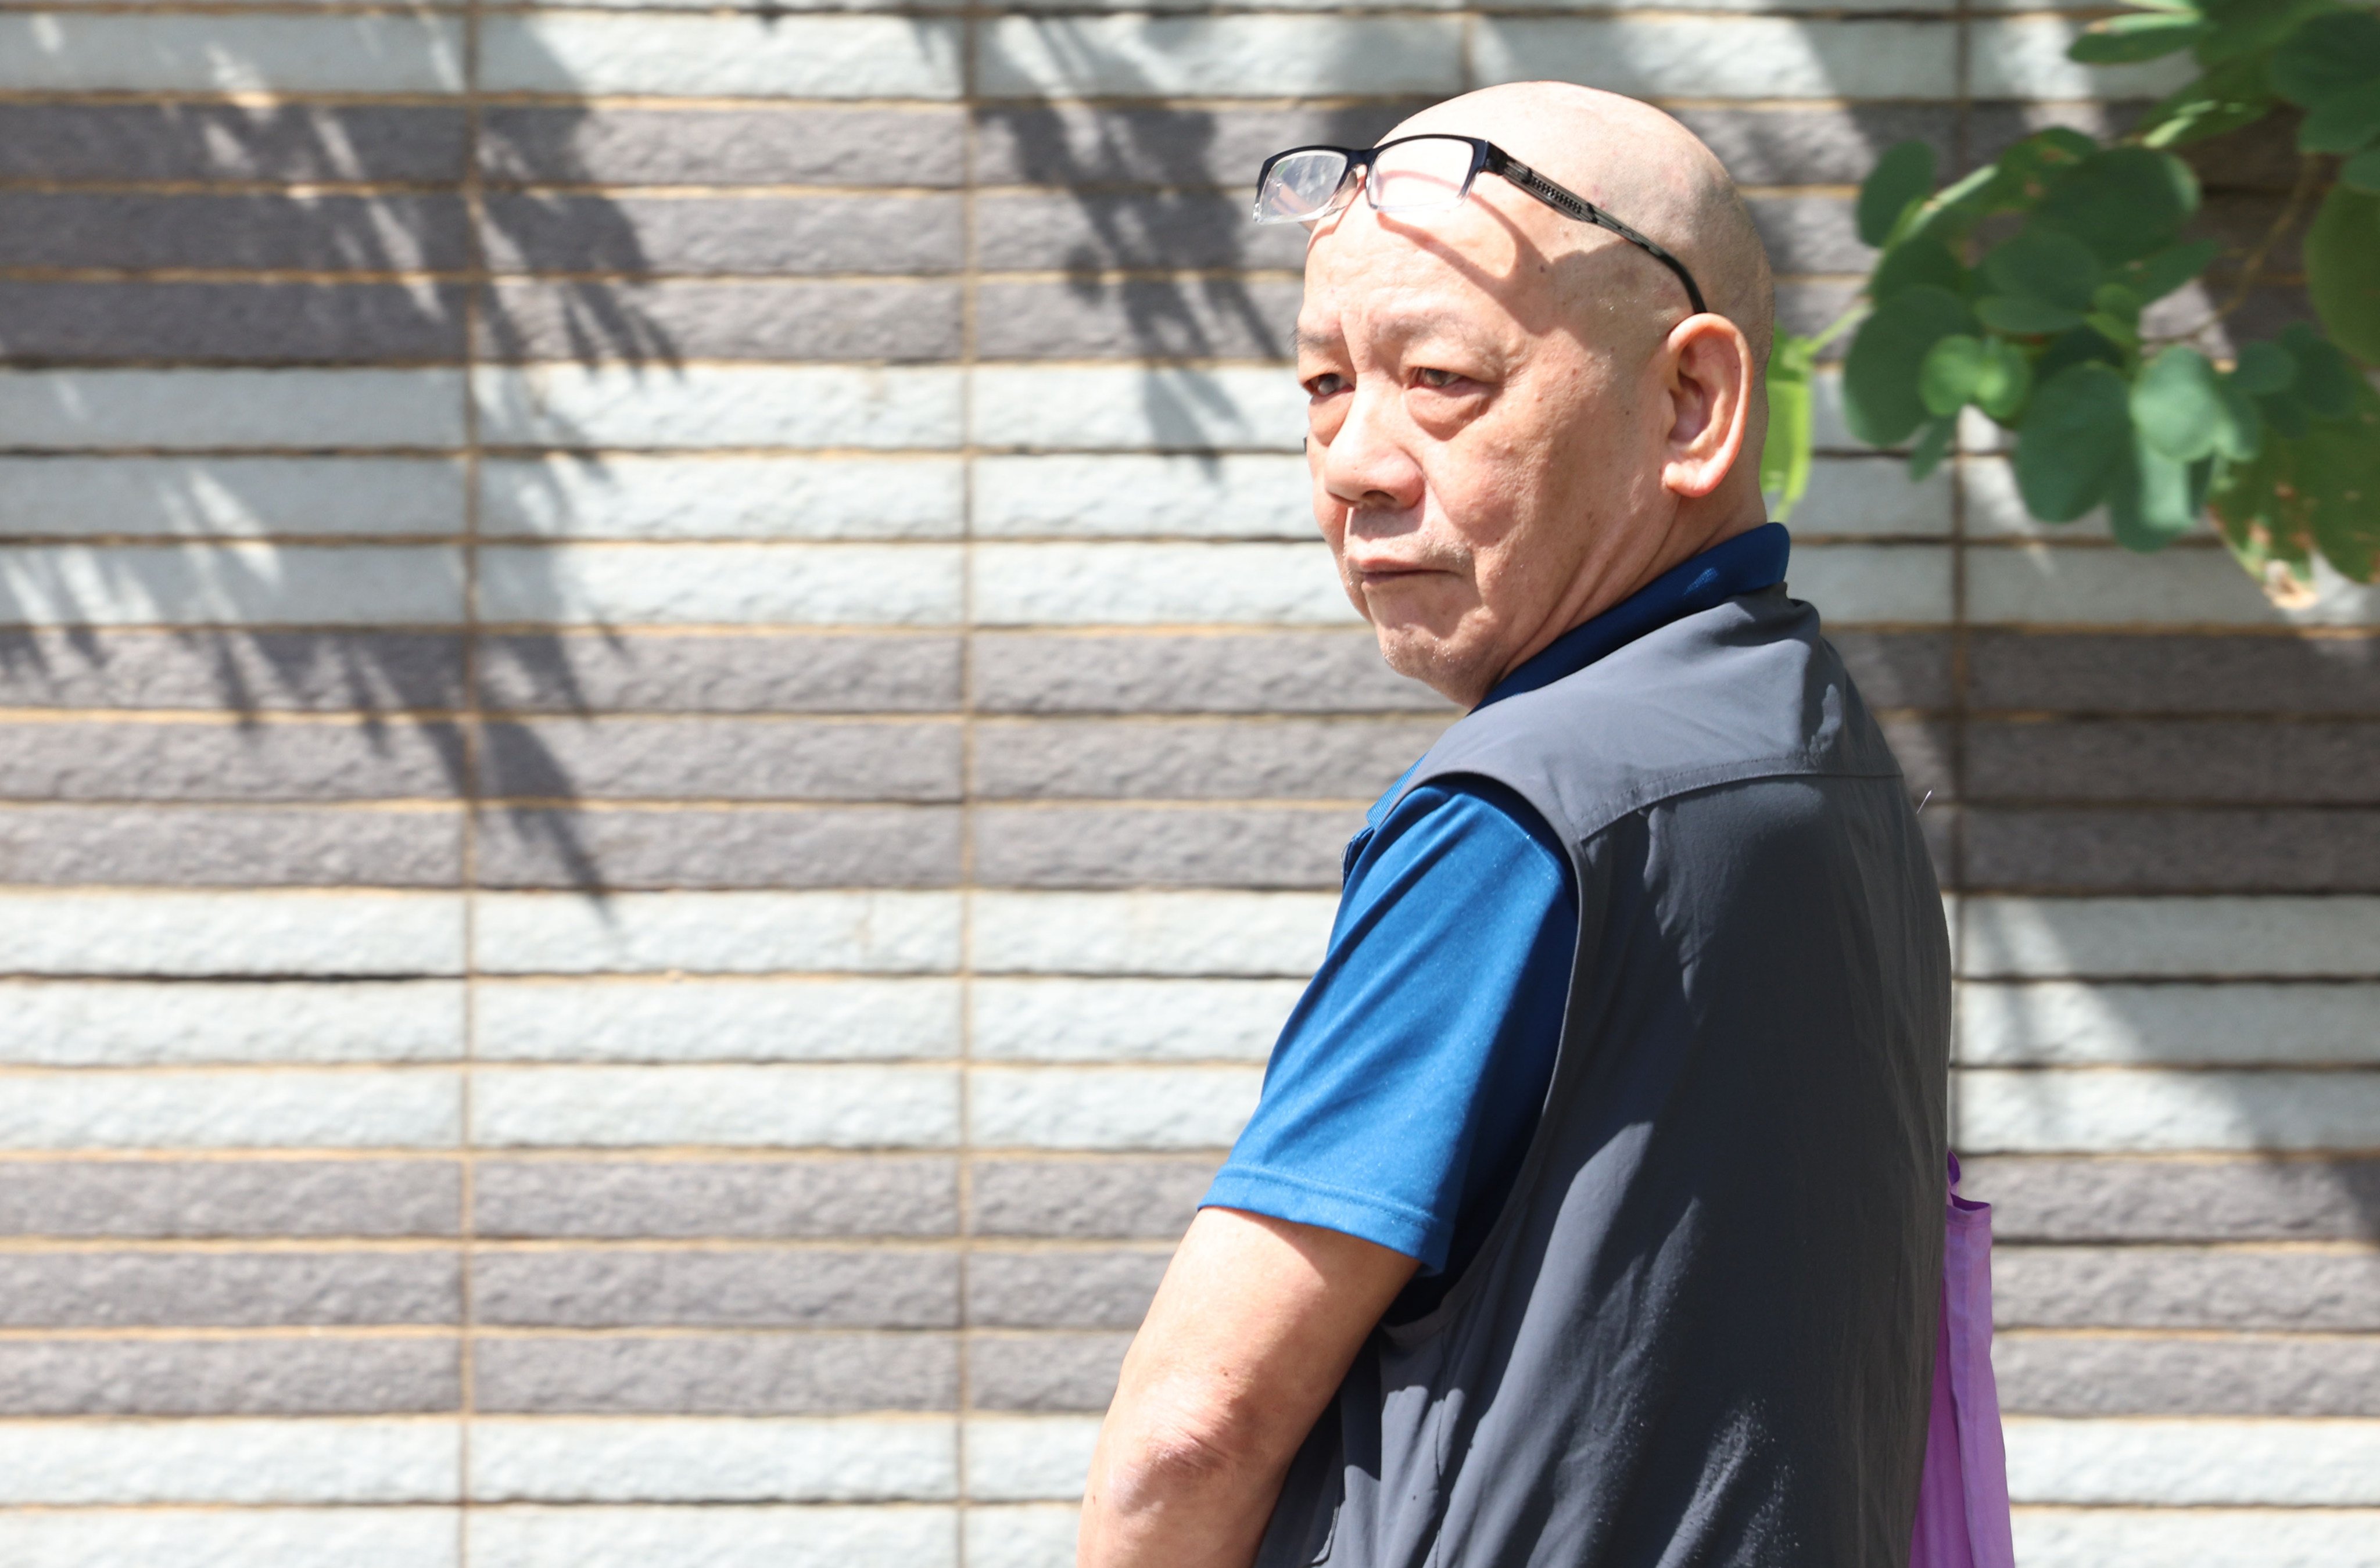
(1028, 1458)
(2025, 57)
(1150, 933)
(2193, 1462)
(722, 584)
(721, 56)
(50, 585)
(1066, 1020)
(2079, 585)
(232, 495)
(694, 498)
(822, 1537)
(2169, 938)
(66, 52)
(1859, 497)
(718, 933)
(1237, 497)
(77, 410)
(1873, 584)
(134, 1023)
(1130, 407)
(2147, 1110)
(698, 1460)
(279, 1538)
(730, 1106)
(2196, 1537)
(380, 1109)
(343, 932)
(1033, 1535)
(2068, 1023)
(1112, 1108)
(1725, 57)
(1121, 584)
(718, 406)
(75, 1464)
(1231, 56)
(714, 1020)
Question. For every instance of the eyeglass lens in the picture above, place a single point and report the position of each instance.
(1303, 186)
(1427, 172)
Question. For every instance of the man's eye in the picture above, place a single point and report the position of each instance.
(1330, 383)
(1440, 379)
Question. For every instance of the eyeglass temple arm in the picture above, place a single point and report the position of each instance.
(1578, 207)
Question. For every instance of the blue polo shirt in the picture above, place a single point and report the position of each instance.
(1404, 1091)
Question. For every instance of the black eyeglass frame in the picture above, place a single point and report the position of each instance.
(1488, 158)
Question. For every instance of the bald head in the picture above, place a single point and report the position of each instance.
(1516, 417)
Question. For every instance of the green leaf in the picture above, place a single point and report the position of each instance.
(1932, 445)
(2330, 52)
(2362, 171)
(2242, 430)
(2342, 122)
(2317, 491)
(2177, 404)
(2124, 205)
(2326, 382)
(2115, 329)
(2285, 414)
(2226, 99)
(2078, 346)
(2262, 369)
(2007, 377)
(1785, 453)
(1947, 379)
(2044, 265)
(1914, 262)
(2246, 28)
(2025, 317)
(2154, 499)
(2154, 277)
(2075, 437)
(1880, 398)
(1903, 176)
(2122, 39)
(2340, 272)
(2114, 299)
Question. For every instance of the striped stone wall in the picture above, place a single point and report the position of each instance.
(671, 738)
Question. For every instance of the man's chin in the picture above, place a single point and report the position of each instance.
(1430, 657)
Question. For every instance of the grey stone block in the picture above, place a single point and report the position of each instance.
(1810, 234)
(1233, 672)
(1819, 144)
(335, 234)
(751, 1288)
(871, 1195)
(224, 141)
(1897, 669)
(276, 1375)
(1092, 230)
(805, 1374)
(695, 145)
(2100, 1373)
(1809, 307)
(2116, 1199)
(253, 323)
(1061, 1289)
(229, 761)
(2173, 674)
(905, 321)
(230, 846)
(1088, 1199)
(647, 235)
(90, 1290)
(224, 1197)
(848, 847)
(2175, 1287)
(722, 760)
(1195, 846)
(724, 675)
(1202, 317)
(2113, 850)
(1254, 759)
(2196, 761)
(240, 671)
(1044, 1371)
(1079, 144)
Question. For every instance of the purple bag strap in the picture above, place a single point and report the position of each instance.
(1963, 1499)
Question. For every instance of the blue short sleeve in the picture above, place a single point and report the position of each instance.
(1402, 1093)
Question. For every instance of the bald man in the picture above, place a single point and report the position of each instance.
(1592, 1212)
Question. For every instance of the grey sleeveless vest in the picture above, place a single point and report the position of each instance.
(1701, 1330)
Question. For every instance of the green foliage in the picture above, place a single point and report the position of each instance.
(1785, 458)
(2037, 320)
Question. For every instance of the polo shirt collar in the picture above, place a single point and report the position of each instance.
(1746, 564)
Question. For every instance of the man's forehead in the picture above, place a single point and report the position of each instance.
(1399, 319)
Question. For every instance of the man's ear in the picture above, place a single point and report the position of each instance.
(1710, 388)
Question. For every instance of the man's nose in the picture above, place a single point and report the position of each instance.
(1368, 465)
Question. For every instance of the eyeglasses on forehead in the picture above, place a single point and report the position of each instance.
(1419, 174)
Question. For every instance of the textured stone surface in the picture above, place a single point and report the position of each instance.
(239, 670)
(866, 1196)
(193, 1197)
(1086, 1198)
(826, 672)
(281, 1375)
(1061, 1289)
(229, 846)
(718, 1374)
(1044, 1371)
(2060, 1199)
(808, 1288)
(1178, 846)
(2110, 1374)
(1237, 673)
(2180, 1287)
(286, 323)
(232, 1289)
(694, 143)
(861, 846)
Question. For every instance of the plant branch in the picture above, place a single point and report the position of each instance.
(2309, 175)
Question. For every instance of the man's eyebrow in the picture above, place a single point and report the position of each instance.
(1317, 342)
